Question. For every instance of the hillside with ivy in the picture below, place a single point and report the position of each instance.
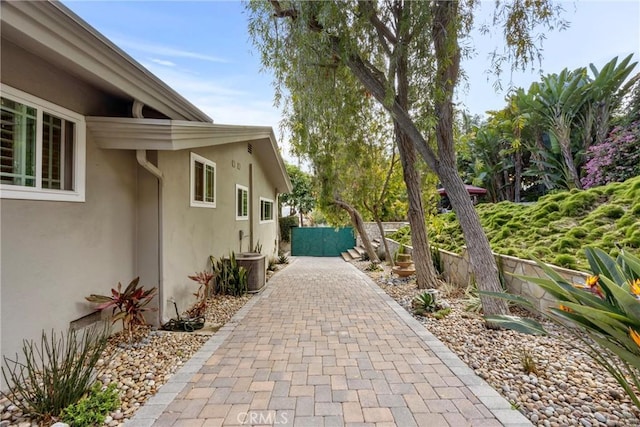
(556, 228)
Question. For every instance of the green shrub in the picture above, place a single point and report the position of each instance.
(610, 211)
(92, 409)
(633, 240)
(578, 232)
(230, 278)
(578, 202)
(442, 313)
(286, 224)
(626, 220)
(54, 373)
(564, 260)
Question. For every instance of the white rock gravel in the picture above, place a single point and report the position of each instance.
(570, 389)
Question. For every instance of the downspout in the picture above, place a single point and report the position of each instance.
(141, 157)
(251, 210)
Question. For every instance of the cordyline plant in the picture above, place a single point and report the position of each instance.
(603, 314)
(128, 306)
(204, 279)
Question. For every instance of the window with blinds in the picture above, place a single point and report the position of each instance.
(18, 144)
(203, 182)
(39, 144)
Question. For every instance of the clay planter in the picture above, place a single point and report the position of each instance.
(404, 266)
(404, 271)
(401, 258)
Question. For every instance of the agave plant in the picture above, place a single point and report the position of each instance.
(603, 313)
(128, 306)
(424, 303)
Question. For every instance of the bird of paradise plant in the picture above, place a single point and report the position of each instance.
(128, 306)
(603, 314)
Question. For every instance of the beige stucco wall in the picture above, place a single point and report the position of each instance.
(56, 253)
(192, 234)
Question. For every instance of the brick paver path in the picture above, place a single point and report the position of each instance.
(324, 346)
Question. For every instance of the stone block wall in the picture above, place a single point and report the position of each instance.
(457, 270)
(372, 229)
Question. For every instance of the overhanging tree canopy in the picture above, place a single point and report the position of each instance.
(373, 40)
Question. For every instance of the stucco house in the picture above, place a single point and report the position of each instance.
(108, 174)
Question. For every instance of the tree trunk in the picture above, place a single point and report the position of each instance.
(447, 52)
(517, 184)
(426, 277)
(482, 260)
(387, 252)
(562, 132)
(539, 160)
(301, 219)
(358, 223)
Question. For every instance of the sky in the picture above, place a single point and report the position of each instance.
(203, 51)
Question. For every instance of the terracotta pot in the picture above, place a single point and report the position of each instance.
(403, 258)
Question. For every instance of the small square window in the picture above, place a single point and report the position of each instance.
(266, 210)
(203, 182)
(242, 202)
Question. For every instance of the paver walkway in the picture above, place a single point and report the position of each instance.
(324, 346)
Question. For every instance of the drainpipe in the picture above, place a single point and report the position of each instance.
(141, 157)
(251, 210)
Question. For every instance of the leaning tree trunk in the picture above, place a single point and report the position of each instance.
(447, 54)
(358, 223)
(482, 261)
(426, 276)
(387, 252)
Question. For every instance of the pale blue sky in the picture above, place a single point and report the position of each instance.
(202, 50)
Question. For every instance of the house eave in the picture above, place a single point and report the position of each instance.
(172, 135)
(51, 30)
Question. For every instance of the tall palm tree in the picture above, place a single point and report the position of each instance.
(560, 98)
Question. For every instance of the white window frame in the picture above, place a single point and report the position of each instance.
(8, 191)
(242, 217)
(265, 200)
(192, 190)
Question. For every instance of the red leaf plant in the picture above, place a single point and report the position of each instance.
(128, 306)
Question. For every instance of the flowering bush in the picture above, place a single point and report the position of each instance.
(603, 313)
(616, 159)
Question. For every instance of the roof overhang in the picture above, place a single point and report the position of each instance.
(52, 31)
(172, 135)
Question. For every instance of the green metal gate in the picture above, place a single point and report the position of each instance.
(321, 241)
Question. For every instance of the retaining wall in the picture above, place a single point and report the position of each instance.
(372, 229)
(457, 270)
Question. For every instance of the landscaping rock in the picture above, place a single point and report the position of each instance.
(569, 389)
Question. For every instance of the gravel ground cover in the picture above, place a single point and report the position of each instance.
(569, 389)
(139, 369)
